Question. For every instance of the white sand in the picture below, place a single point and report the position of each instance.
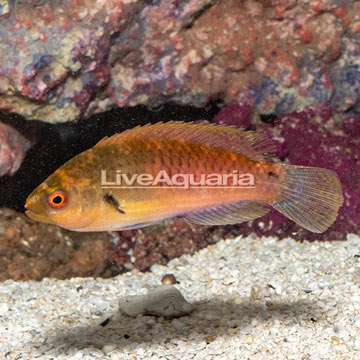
(256, 299)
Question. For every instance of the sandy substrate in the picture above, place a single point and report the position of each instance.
(254, 299)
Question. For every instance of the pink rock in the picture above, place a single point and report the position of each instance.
(13, 148)
(238, 115)
(352, 125)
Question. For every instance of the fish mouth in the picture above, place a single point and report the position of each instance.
(33, 215)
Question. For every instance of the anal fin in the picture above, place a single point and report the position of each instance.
(233, 213)
(136, 226)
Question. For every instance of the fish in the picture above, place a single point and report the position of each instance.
(205, 174)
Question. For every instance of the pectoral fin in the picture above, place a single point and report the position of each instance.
(112, 200)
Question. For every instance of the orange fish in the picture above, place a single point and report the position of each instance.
(205, 174)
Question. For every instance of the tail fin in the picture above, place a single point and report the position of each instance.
(310, 196)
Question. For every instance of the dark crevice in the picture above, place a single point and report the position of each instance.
(268, 118)
(189, 24)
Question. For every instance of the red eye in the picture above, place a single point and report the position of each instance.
(57, 199)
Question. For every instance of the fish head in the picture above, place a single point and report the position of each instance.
(63, 201)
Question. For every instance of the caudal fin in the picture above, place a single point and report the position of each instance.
(310, 196)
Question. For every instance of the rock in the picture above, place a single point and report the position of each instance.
(13, 147)
(164, 300)
(4, 7)
(32, 251)
(157, 244)
(169, 279)
(351, 125)
(238, 115)
(65, 60)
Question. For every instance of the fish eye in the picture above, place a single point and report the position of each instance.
(57, 199)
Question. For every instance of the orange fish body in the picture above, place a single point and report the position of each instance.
(205, 174)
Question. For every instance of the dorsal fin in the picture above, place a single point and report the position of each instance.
(255, 146)
(100, 141)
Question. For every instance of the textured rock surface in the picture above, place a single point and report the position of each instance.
(31, 250)
(64, 60)
(160, 243)
(13, 147)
